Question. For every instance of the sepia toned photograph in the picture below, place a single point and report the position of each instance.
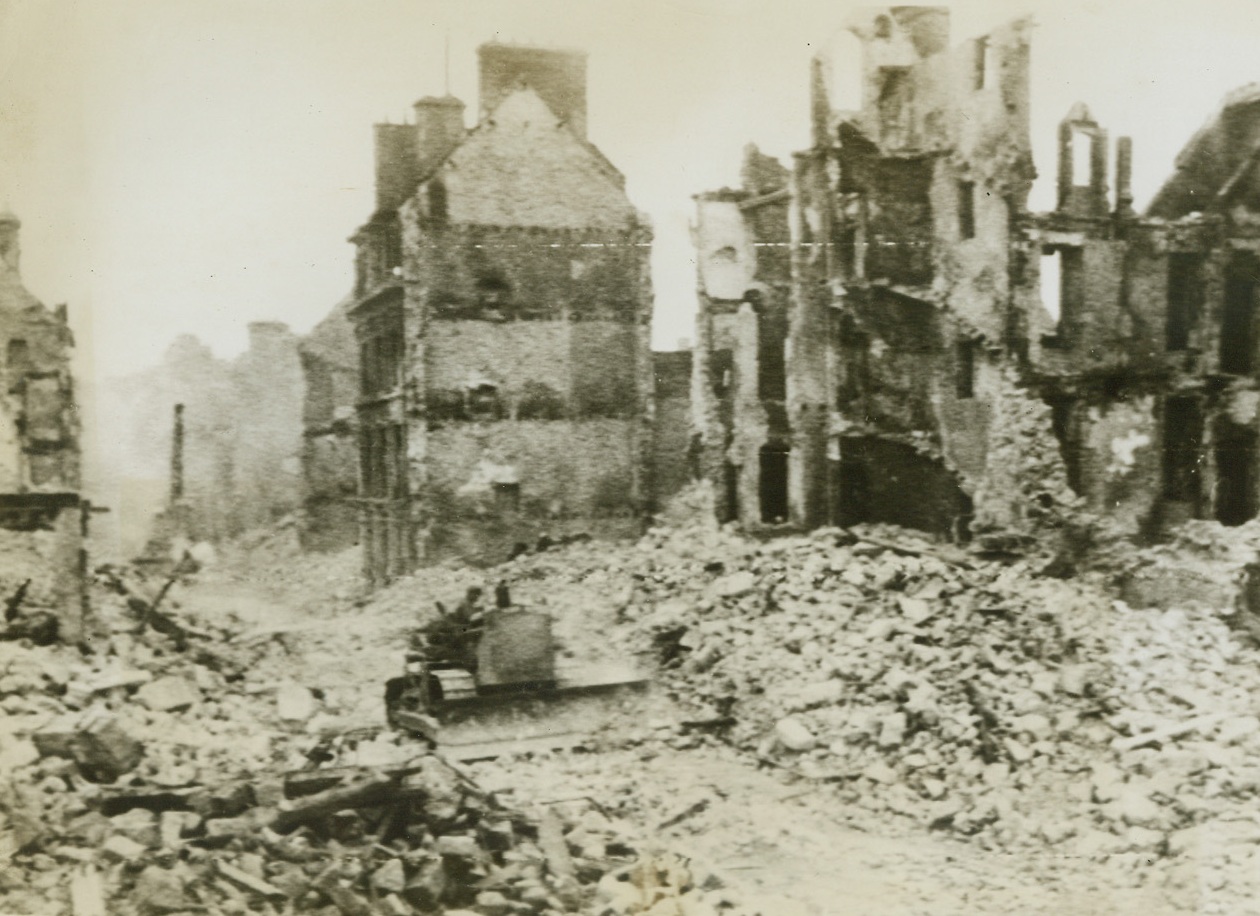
(636, 458)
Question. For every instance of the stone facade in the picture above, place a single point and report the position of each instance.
(501, 310)
(952, 361)
(43, 519)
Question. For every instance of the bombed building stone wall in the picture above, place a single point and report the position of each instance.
(740, 388)
(42, 516)
(957, 363)
(501, 313)
(674, 463)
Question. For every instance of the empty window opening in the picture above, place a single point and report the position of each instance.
(1183, 443)
(437, 201)
(721, 372)
(774, 484)
(1062, 411)
(881, 481)
(730, 492)
(393, 246)
(965, 379)
(1082, 158)
(984, 63)
(853, 492)
(895, 95)
(1235, 480)
(1051, 284)
(507, 495)
(493, 289)
(1062, 291)
(18, 357)
(771, 361)
(967, 209)
(483, 402)
(1185, 299)
(1238, 322)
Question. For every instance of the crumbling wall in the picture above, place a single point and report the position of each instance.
(41, 543)
(524, 360)
(1120, 461)
(1025, 483)
(508, 481)
(42, 517)
(673, 464)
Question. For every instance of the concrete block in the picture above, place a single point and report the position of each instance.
(793, 735)
(294, 703)
(53, 740)
(122, 849)
(168, 694)
(389, 878)
(102, 749)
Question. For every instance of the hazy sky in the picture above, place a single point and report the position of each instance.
(192, 165)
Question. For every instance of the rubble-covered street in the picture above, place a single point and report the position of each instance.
(847, 721)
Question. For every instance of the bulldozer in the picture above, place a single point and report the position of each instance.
(505, 690)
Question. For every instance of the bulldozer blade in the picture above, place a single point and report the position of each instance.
(499, 724)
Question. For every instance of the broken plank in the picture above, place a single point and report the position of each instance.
(365, 794)
(248, 881)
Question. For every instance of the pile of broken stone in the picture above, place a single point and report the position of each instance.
(976, 694)
(142, 774)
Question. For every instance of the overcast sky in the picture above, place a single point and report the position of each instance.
(192, 165)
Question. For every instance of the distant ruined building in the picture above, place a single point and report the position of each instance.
(43, 518)
(502, 312)
(887, 333)
(242, 440)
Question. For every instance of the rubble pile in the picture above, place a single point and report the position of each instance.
(938, 685)
(1203, 564)
(151, 772)
(973, 695)
(1183, 778)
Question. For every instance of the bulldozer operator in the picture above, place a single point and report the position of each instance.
(454, 637)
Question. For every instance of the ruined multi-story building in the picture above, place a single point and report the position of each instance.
(951, 360)
(43, 519)
(501, 309)
(242, 440)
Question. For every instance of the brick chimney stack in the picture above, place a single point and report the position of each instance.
(439, 129)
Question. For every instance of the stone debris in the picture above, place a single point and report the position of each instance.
(174, 782)
(967, 693)
(880, 673)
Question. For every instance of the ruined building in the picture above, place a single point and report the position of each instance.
(43, 520)
(888, 334)
(242, 440)
(501, 311)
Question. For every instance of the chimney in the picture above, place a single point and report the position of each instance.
(10, 249)
(439, 129)
(397, 164)
(1082, 165)
(1124, 177)
(559, 78)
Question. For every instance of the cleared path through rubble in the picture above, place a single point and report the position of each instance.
(785, 843)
